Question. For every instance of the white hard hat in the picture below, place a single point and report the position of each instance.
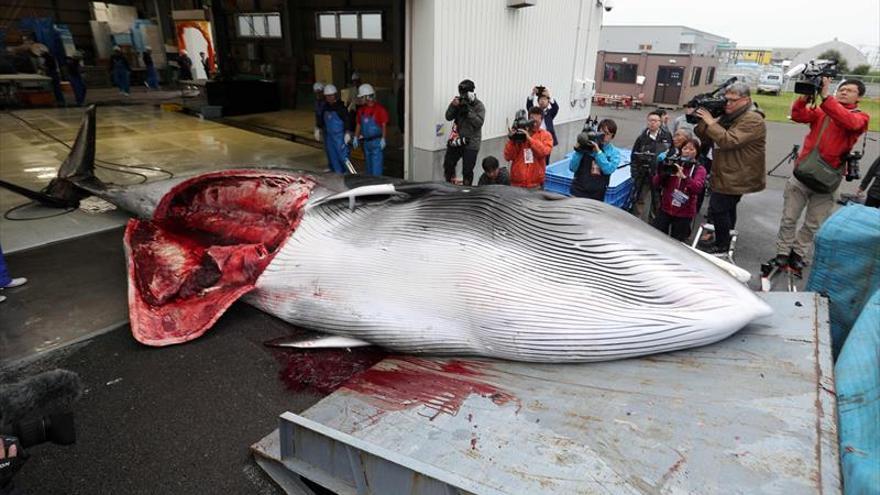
(365, 90)
(318, 87)
(355, 76)
(330, 90)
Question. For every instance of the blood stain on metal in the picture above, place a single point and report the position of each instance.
(442, 386)
(323, 370)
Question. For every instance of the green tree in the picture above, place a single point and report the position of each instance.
(862, 70)
(835, 55)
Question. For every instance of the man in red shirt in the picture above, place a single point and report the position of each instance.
(840, 123)
(527, 150)
(370, 129)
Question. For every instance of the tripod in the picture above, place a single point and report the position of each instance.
(789, 158)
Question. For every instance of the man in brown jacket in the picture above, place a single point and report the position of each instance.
(738, 165)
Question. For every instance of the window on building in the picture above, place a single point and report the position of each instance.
(645, 47)
(622, 73)
(695, 76)
(349, 26)
(710, 75)
(267, 25)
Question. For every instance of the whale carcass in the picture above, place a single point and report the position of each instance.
(417, 267)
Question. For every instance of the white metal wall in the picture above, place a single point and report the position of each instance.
(505, 52)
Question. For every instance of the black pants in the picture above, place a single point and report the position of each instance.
(598, 195)
(722, 212)
(468, 162)
(681, 227)
(875, 202)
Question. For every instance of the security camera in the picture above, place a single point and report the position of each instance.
(608, 4)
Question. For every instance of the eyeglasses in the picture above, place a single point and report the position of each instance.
(731, 101)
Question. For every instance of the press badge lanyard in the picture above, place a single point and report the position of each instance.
(679, 197)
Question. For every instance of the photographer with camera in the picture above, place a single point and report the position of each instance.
(548, 105)
(594, 160)
(468, 114)
(739, 135)
(650, 143)
(835, 126)
(680, 177)
(527, 148)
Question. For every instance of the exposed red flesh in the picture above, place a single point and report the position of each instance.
(209, 240)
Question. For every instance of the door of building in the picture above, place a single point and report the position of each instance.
(669, 81)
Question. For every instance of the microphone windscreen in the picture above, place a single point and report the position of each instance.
(38, 395)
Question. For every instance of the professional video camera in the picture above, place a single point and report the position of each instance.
(540, 91)
(851, 162)
(714, 102)
(521, 121)
(811, 75)
(591, 129)
(668, 166)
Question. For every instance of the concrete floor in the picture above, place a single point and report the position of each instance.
(127, 135)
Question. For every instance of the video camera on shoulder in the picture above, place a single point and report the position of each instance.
(811, 75)
(521, 121)
(591, 129)
(713, 102)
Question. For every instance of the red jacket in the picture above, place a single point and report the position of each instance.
(523, 174)
(843, 130)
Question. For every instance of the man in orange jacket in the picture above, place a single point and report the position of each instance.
(527, 149)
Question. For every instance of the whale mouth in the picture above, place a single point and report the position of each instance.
(209, 240)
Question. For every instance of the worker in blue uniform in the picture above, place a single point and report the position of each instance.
(336, 128)
(120, 69)
(370, 128)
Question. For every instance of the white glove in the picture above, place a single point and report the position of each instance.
(355, 142)
(347, 138)
(317, 134)
(382, 144)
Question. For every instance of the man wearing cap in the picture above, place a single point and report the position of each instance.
(370, 128)
(467, 114)
(121, 71)
(152, 79)
(335, 125)
(593, 163)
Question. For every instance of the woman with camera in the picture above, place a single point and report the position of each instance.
(593, 161)
(680, 178)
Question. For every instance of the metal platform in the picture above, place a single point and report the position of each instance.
(755, 413)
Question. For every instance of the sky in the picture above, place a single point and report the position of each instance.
(760, 23)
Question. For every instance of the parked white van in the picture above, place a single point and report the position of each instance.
(770, 82)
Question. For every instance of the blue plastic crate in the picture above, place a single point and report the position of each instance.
(619, 195)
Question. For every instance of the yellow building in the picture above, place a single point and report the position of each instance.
(756, 55)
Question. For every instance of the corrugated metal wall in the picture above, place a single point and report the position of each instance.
(505, 52)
